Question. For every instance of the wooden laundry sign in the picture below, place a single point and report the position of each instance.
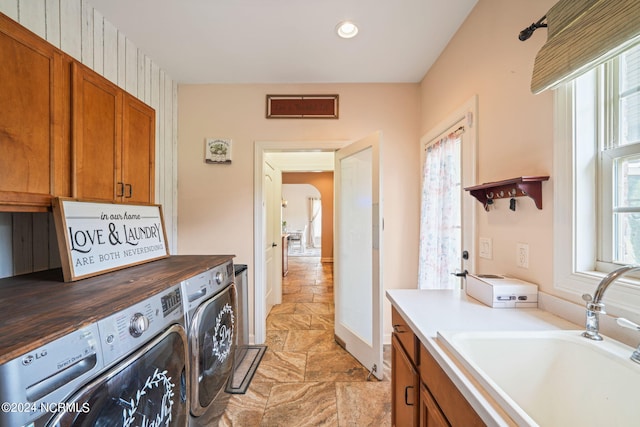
(96, 237)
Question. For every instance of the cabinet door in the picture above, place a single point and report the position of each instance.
(138, 151)
(31, 118)
(96, 122)
(430, 413)
(404, 387)
(457, 410)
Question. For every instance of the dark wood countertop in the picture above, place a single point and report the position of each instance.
(38, 308)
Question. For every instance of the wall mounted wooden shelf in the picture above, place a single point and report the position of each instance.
(530, 186)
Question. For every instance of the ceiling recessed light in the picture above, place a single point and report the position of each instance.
(347, 29)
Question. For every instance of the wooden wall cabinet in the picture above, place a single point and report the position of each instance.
(34, 120)
(421, 392)
(67, 131)
(113, 141)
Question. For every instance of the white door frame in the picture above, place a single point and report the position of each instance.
(467, 112)
(259, 234)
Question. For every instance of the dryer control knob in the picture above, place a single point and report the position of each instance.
(219, 277)
(138, 324)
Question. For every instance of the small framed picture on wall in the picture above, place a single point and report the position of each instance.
(217, 150)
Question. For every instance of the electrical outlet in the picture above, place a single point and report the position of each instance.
(522, 255)
(486, 248)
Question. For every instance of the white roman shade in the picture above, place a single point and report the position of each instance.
(581, 35)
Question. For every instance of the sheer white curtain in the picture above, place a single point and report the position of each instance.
(315, 227)
(440, 222)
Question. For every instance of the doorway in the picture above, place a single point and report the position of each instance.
(357, 165)
(302, 216)
(447, 241)
(261, 151)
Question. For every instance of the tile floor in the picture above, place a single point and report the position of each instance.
(305, 378)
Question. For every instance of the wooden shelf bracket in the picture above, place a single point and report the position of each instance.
(530, 186)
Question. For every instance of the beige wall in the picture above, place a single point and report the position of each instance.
(215, 202)
(515, 138)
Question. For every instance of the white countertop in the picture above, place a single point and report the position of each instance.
(430, 311)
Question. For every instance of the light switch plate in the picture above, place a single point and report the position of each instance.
(486, 248)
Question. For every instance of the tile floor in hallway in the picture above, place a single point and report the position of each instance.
(305, 378)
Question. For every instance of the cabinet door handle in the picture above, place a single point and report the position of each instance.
(129, 188)
(398, 329)
(120, 191)
(406, 395)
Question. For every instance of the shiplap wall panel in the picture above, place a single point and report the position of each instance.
(155, 103)
(86, 34)
(53, 22)
(22, 228)
(147, 79)
(32, 14)
(9, 8)
(131, 68)
(27, 241)
(40, 248)
(54, 251)
(98, 43)
(71, 28)
(171, 195)
(6, 249)
(110, 52)
(122, 59)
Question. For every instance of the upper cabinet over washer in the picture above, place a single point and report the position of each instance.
(34, 120)
(113, 141)
(66, 130)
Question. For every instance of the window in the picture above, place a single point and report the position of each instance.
(597, 169)
(619, 162)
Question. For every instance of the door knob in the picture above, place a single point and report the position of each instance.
(274, 244)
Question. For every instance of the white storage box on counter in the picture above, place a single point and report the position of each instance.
(502, 291)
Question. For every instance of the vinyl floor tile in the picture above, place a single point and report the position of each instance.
(305, 378)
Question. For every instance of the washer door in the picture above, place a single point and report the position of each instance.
(212, 341)
(147, 388)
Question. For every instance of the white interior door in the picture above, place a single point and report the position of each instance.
(357, 251)
(272, 238)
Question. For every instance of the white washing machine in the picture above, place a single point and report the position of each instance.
(32, 384)
(211, 316)
(129, 369)
(144, 349)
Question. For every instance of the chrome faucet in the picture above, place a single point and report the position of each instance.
(595, 306)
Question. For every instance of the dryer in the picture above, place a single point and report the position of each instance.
(211, 315)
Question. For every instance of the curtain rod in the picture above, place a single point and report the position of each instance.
(527, 32)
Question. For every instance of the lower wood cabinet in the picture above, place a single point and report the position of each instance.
(430, 413)
(405, 387)
(453, 405)
(422, 394)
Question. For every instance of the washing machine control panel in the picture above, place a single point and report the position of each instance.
(205, 285)
(128, 329)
